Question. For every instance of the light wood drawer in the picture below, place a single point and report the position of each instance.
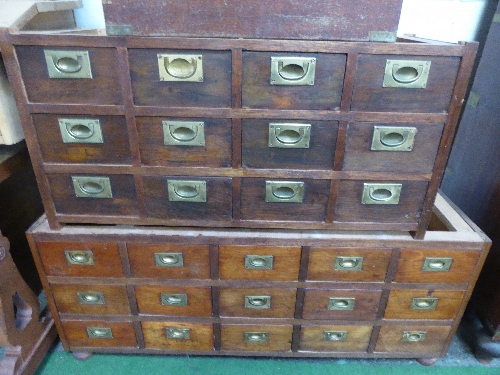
(178, 336)
(174, 301)
(87, 259)
(423, 304)
(99, 333)
(90, 299)
(257, 302)
(351, 264)
(328, 338)
(412, 339)
(212, 90)
(169, 261)
(256, 337)
(343, 304)
(259, 262)
(436, 266)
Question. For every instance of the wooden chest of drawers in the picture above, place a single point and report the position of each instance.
(238, 132)
(260, 292)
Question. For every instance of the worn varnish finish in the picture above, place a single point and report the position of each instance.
(214, 277)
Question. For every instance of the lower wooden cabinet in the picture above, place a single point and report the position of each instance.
(260, 292)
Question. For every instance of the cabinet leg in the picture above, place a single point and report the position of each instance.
(82, 356)
(427, 361)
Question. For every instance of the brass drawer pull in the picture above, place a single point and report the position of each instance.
(411, 74)
(174, 299)
(284, 191)
(413, 336)
(80, 130)
(259, 262)
(374, 193)
(92, 187)
(169, 260)
(68, 64)
(341, 303)
(91, 298)
(99, 333)
(335, 336)
(297, 71)
(393, 138)
(256, 337)
(183, 133)
(437, 264)
(424, 303)
(178, 333)
(348, 264)
(187, 191)
(188, 68)
(257, 302)
(79, 257)
(289, 135)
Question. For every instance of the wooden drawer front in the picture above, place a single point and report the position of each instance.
(256, 338)
(327, 338)
(341, 304)
(90, 299)
(412, 339)
(121, 201)
(103, 88)
(174, 301)
(423, 304)
(312, 208)
(185, 141)
(370, 95)
(99, 333)
(366, 265)
(216, 205)
(169, 261)
(85, 259)
(350, 208)
(178, 336)
(259, 263)
(324, 94)
(83, 139)
(257, 302)
(436, 266)
(213, 90)
(279, 144)
(363, 137)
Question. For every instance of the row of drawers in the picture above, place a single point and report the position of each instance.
(186, 78)
(164, 261)
(211, 199)
(273, 144)
(197, 336)
(264, 302)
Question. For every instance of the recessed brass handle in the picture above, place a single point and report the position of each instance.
(437, 264)
(406, 73)
(259, 262)
(79, 257)
(91, 298)
(256, 337)
(183, 133)
(257, 302)
(341, 303)
(374, 193)
(178, 333)
(335, 336)
(169, 260)
(293, 70)
(283, 135)
(348, 263)
(424, 303)
(174, 299)
(68, 64)
(180, 67)
(80, 130)
(393, 138)
(284, 191)
(92, 187)
(413, 336)
(187, 191)
(99, 333)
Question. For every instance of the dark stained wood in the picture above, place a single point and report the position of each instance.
(201, 336)
(359, 156)
(237, 65)
(214, 91)
(323, 95)
(256, 152)
(216, 153)
(311, 338)
(237, 139)
(123, 333)
(280, 338)
(340, 147)
(350, 74)
(389, 339)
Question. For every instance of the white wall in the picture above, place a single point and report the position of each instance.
(445, 20)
